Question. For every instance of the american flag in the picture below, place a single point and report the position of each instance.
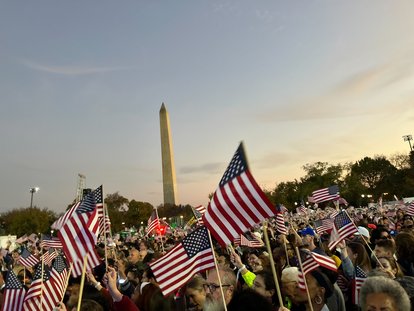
(48, 241)
(27, 259)
(153, 222)
(77, 240)
(343, 227)
(36, 291)
(14, 293)
(312, 262)
(55, 287)
(238, 203)
(301, 209)
(343, 283)
(183, 261)
(322, 225)
(22, 239)
(326, 194)
(49, 255)
(198, 213)
(357, 282)
(249, 241)
(280, 224)
(201, 209)
(410, 209)
(104, 224)
(58, 224)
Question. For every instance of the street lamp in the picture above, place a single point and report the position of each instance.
(408, 138)
(32, 191)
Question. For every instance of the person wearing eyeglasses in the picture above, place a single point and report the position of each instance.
(214, 299)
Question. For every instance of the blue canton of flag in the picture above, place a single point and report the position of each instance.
(59, 264)
(196, 242)
(237, 166)
(91, 200)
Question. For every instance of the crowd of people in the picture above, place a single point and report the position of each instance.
(373, 268)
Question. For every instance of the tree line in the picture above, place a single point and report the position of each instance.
(377, 177)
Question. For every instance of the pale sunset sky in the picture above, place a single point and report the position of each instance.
(82, 82)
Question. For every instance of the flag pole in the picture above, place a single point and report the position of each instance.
(104, 231)
(217, 269)
(304, 278)
(85, 260)
(41, 280)
(272, 263)
(162, 243)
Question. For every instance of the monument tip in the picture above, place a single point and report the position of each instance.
(163, 107)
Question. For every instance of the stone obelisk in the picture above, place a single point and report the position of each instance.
(168, 168)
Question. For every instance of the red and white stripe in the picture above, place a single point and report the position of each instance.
(236, 207)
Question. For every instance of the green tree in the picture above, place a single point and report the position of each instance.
(376, 175)
(138, 212)
(116, 205)
(28, 220)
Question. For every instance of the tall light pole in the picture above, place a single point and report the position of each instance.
(408, 138)
(32, 191)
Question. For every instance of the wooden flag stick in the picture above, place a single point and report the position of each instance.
(272, 263)
(85, 261)
(304, 278)
(217, 270)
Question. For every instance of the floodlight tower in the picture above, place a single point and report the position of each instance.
(32, 191)
(408, 138)
(80, 187)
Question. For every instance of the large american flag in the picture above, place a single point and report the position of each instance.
(343, 227)
(14, 293)
(153, 222)
(357, 282)
(238, 203)
(77, 240)
(183, 261)
(326, 194)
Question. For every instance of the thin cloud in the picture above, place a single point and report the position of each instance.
(70, 70)
(345, 98)
(210, 168)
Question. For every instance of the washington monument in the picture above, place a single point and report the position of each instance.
(168, 168)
